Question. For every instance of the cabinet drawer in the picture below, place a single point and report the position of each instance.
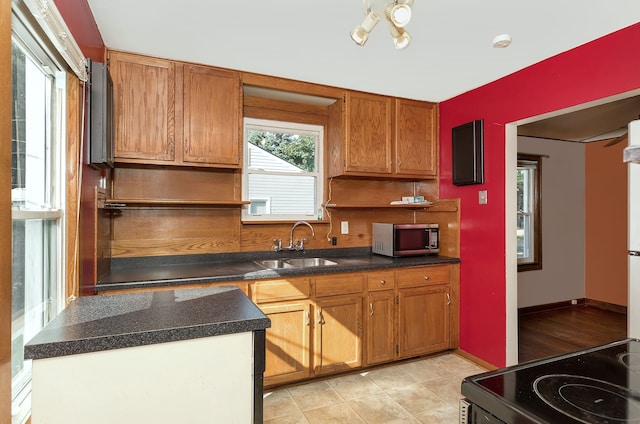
(284, 289)
(381, 280)
(329, 285)
(411, 277)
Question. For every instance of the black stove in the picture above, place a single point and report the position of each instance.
(600, 385)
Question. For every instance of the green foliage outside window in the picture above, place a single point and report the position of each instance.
(298, 150)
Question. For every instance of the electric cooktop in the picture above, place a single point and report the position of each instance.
(599, 385)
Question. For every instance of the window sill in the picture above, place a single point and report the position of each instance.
(529, 267)
(284, 221)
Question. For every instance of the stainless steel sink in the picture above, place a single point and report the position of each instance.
(274, 263)
(295, 263)
(305, 262)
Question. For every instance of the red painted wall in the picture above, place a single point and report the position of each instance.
(78, 17)
(602, 68)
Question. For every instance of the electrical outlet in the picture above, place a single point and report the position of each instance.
(344, 227)
(482, 197)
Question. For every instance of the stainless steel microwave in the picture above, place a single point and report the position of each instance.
(405, 239)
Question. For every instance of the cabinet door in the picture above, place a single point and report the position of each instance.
(423, 320)
(144, 91)
(338, 334)
(212, 115)
(368, 134)
(381, 346)
(288, 341)
(416, 138)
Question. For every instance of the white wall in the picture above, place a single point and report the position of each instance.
(562, 276)
(205, 380)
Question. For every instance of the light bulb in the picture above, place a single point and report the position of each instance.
(398, 14)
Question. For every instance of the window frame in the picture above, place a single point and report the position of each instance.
(283, 126)
(535, 263)
(50, 212)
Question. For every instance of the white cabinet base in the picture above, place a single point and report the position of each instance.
(194, 381)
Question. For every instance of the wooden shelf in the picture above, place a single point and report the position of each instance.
(377, 206)
(170, 203)
(437, 206)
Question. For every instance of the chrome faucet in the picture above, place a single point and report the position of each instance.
(300, 244)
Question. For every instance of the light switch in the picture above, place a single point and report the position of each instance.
(482, 197)
(344, 227)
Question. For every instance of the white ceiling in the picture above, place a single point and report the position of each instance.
(451, 51)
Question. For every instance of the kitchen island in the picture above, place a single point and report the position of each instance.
(189, 355)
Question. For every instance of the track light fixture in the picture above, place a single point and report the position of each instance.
(360, 34)
(397, 14)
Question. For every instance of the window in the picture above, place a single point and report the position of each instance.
(259, 206)
(529, 223)
(283, 176)
(37, 199)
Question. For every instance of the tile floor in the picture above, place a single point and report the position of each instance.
(421, 391)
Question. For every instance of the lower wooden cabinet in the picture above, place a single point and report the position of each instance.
(338, 334)
(380, 313)
(423, 320)
(288, 347)
(338, 322)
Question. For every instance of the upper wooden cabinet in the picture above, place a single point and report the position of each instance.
(170, 113)
(379, 136)
(416, 138)
(144, 108)
(360, 135)
(212, 116)
(366, 125)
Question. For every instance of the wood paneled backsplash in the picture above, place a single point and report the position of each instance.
(166, 230)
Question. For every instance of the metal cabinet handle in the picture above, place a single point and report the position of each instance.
(370, 309)
(426, 277)
(170, 145)
(308, 318)
(319, 316)
(186, 146)
(448, 299)
(383, 282)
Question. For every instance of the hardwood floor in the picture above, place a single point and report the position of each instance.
(558, 331)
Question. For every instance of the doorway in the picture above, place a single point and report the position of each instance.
(571, 123)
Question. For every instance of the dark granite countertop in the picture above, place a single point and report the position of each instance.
(189, 269)
(98, 323)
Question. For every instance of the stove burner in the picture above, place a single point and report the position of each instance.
(630, 360)
(589, 400)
